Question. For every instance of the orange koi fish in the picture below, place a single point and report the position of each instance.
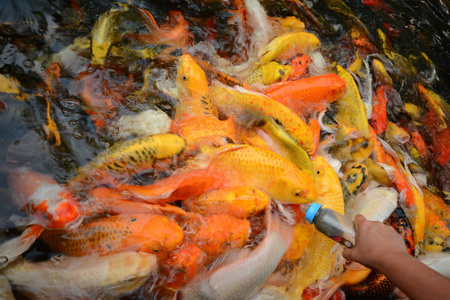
(436, 204)
(434, 224)
(419, 143)
(249, 105)
(175, 34)
(309, 94)
(379, 116)
(154, 234)
(232, 166)
(42, 197)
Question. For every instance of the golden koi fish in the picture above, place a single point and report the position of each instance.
(318, 259)
(270, 73)
(289, 45)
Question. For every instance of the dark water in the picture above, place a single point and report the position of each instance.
(31, 31)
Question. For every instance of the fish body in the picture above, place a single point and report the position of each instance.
(289, 45)
(105, 32)
(308, 94)
(246, 272)
(203, 130)
(218, 233)
(107, 235)
(318, 259)
(240, 202)
(251, 166)
(365, 88)
(128, 158)
(270, 73)
(351, 110)
(89, 277)
(436, 204)
(379, 117)
(430, 98)
(192, 89)
(440, 262)
(248, 105)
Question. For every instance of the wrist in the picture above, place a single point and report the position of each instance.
(391, 260)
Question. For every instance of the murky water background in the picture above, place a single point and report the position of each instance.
(31, 31)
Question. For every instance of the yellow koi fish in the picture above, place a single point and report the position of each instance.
(270, 73)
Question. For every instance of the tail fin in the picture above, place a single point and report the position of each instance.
(13, 248)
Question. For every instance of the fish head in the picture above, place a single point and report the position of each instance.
(160, 235)
(356, 177)
(294, 189)
(191, 79)
(57, 209)
(128, 272)
(360, 148)
(41, 196)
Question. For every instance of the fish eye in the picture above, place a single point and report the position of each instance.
(281, 72)
(318, 172)
(297, 193)
(184, 77)
(131, 278)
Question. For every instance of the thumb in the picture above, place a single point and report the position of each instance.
(347, 253)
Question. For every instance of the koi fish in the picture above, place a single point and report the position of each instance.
(239, 202)
(232, 166)
(379, 117)
(42, 197)
(318, 260)
(289, 45)
(175, 34)
(309, 94)
(395, 134)
(249, 105)
(429, 98)
(225, 279)
(11, 86)
(49, 204)
(434, 224)
(436, 204)
(110, 276)
(155, 234)
(381, 75)
(269, 73)
(105, 32)
(128, 157)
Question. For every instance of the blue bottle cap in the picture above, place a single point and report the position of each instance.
(312, 211)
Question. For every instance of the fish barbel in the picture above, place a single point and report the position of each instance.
(244, 104)
(110, 276)
(309, 94)
(120, 233)
(318, 260)
(242, 274)
(128, 158)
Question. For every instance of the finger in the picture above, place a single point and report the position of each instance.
(359, 218)
(347, 254)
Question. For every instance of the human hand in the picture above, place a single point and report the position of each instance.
(376, 244)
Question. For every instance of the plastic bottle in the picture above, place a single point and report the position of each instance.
(331, 223)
